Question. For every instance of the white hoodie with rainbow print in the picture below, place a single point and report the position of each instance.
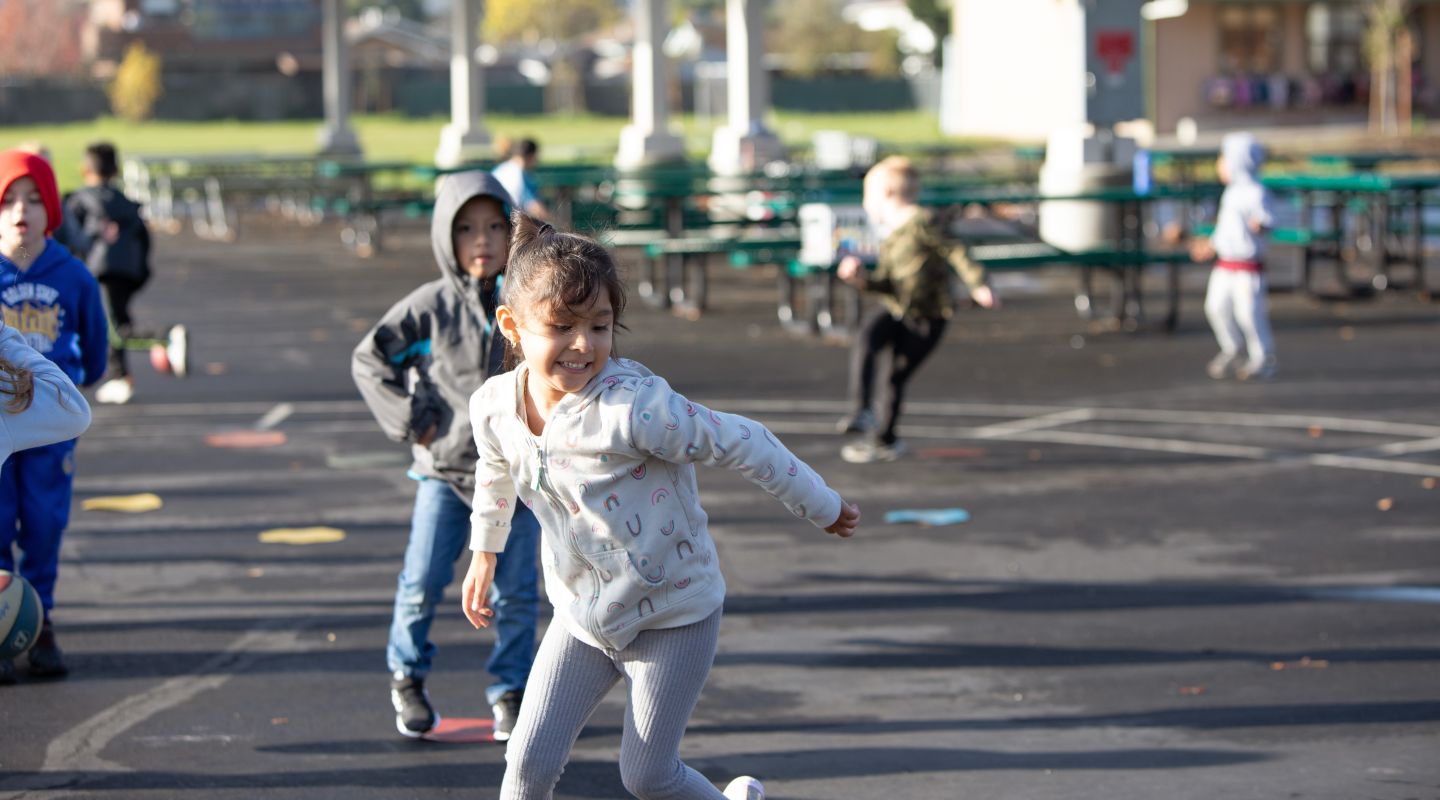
(625, 544)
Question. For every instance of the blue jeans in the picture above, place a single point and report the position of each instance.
(439, 533)
(35, 489)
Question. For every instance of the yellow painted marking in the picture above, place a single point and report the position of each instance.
(125, 503)
(300, 536)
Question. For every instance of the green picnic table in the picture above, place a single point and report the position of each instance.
(1389, 206)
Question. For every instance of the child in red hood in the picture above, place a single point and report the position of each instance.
(52, 301)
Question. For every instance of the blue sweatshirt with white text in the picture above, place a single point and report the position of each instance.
(55, 305)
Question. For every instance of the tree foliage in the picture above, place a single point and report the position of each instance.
(137, 85)
(936, 16)
(814, 38)
(509, 21)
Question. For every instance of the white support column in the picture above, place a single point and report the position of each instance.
(336, 138)
(465, 138)
(744, 143)
(647, 139)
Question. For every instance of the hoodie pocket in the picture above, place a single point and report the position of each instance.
(620, 595)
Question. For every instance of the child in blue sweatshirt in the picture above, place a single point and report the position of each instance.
(51, 299)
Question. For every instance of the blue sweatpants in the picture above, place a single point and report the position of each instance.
(35, 487)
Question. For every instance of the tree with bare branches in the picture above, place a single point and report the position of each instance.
(1391, 48)
(557, 26)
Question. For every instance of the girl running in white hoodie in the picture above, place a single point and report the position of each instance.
(603, 451)
(38, 404)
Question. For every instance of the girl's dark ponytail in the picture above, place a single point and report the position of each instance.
(557, 269)
(18, 385)
(526, 230)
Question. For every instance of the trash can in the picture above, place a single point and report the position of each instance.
(1081, 224)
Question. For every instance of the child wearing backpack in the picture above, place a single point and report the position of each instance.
(104, 229)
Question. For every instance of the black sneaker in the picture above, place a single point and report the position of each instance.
(46, 660)
(506, 711)
(414, 716)
(8, 677)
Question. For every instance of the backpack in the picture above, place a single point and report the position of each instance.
(89, 213)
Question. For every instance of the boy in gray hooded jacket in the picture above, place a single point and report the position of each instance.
(416, 370)
(1235, 300)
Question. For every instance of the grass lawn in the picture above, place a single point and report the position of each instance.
(396, 138)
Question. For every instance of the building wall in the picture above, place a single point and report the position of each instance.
(1292, 57)
(1021, 68)
(1186, 56)
(1429, 25)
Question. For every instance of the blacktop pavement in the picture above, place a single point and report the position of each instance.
(1169, 587)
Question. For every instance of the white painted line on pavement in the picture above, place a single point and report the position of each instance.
(1006, 429)
(1302, 421)
(1405, 448)
(1109, 413)
(78, 749)
(275, 416)
(379, 515)
(755, 405)
(1143, 443)
(1377, 465)
(219, 408)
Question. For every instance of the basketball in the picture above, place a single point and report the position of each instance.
(20, 615)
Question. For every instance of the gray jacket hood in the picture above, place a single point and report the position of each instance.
(453, 192)
(1244, 204)
(419, 365)
(1243, 157)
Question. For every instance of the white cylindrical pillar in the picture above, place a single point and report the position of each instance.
(336, 138)
(647, 139)
(744, 143)
(465, 138)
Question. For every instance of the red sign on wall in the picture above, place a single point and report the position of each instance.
(1115, 48)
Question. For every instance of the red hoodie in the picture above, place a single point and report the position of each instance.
(16, 164)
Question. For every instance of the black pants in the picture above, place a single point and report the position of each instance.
(909, 341)
(117, 293)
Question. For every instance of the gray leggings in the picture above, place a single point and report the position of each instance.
(664, 671)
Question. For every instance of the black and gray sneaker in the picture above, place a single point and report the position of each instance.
(414, 716)
(506, 711)
(46, 660)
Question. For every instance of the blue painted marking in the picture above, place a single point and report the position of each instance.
(928, 516)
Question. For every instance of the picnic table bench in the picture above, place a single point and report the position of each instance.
(211, 189)
(813, 300)
(683, 283)
(1385, 210)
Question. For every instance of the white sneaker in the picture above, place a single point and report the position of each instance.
(870, 452)
(177, 347)
(1263, 371)
(1222, 366)
(745, 788)
(116, 390)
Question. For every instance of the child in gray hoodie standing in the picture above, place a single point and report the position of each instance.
(416, 370)
(1235, 300)
(604, 451)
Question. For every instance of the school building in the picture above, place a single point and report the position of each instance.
(1019, 67)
